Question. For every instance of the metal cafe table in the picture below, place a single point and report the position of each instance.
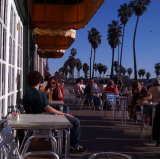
(54, 103)
(124, 107)
(45, 122)
(153, 105)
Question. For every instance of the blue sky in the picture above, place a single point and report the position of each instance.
(147, 39)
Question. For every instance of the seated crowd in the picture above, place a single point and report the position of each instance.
(39, 103)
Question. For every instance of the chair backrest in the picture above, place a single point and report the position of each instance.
(8, 146)
(71, 90)
(111, 97)
(77, 93)
(109, 155)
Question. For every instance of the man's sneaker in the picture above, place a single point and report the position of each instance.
(79, 149)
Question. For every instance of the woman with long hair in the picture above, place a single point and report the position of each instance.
(58, 92)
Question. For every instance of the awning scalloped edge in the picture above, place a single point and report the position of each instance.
(66, 33)
(52, 50)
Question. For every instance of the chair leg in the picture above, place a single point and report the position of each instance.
(69, 99)
(132, 118)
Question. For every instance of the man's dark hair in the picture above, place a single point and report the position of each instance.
(34, 78)
(91, 79)
(78, 80)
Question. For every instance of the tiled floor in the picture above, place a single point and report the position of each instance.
(103, 134)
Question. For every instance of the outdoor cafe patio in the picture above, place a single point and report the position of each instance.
(101, 133)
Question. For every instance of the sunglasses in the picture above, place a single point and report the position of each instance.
(53, 83)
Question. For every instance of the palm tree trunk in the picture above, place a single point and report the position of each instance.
(118, 54)
(134, 52)
(122, 47)
(90, 62)
(93, 63)
(112, 61)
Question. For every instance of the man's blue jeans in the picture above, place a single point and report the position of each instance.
(75, 132)
(65, 109)
(97, 101)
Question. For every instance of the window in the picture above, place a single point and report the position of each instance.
(11, 56)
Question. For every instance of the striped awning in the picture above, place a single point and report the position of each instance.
(64, 14)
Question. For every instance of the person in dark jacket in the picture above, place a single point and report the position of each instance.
(90, 95)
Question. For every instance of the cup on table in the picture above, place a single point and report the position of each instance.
(50, 97)
(42, 90)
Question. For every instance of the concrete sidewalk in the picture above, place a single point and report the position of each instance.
(103, 134)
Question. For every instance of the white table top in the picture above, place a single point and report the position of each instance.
(40, 121)
(149, 104)
(56, 102)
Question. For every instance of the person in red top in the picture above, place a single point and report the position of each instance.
(58, 92)
(111, 87)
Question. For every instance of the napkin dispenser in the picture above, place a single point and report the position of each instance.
(13, 116)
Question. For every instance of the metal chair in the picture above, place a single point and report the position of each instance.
(8, 146)
(71, 94)
(89, 100)
(109, 155)
(111, 100)
(138, 114)
(79, 97)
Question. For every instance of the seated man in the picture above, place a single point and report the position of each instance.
(155, 90)
(88, 90)
(39, 103)
(82, 85)
(111, 88)
(77, 87)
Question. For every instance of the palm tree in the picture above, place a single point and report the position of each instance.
(124, 13)
(100, 68)
(95, 40)
(105, 68)
(115, 64)
(139, 7)
(73, 52)
(157, 69)
(114, 32)
(85, 69)
(129, 70)
(66, 70)
(123, 70)
(143, 72)
(61, 70)
(78, 66)
(148, 75)
(90, 40)
(139, 73)
(95, 68)
(72, 64)
(72, 61)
